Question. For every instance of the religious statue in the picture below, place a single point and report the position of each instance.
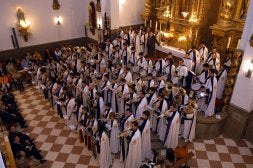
(244, 9)
(98, 6)
(20, 15)
(56, 5)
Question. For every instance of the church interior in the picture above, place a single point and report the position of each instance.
(126, 83)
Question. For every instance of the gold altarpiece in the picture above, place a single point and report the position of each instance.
(184, 23)
(228, 29)
(179, 21)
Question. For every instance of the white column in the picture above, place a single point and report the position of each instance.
(243, 90)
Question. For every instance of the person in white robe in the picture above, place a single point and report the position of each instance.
(170, 69)
(134, 156)
(136, 42)
(105, 157)
(172, 129)
(71, 112)
(160, 66)
(143, 42)
(125, 125)
(203, 52)
(182, 72)
(221, 78)
(104, 88)
(214, 59)
(150, 80)
(195, 57)
(189, 117)
(150, 66)
(128, 75)
(141, 104)
(132, 57)
(114, 140)
(122, 91)
(188, 61)
(143, 64)
(100, 105)
(211, 89)
(112, 95)
(151, 98)
(145, 136)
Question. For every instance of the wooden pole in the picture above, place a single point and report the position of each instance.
(9, 152)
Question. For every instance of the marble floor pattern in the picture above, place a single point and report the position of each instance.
(62, 148)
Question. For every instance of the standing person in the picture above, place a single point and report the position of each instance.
(151, 41)
(211, 89)
(221, 80)
(141, 104)
(189, 119)
(134, 148)
(71, 111)
(172, 129)
(114, 133)
(125, 125)
(203, 52)
(182, 72)
(195, 57)
(214, 59)
(145, 136)
(100, 105)
(105, 158)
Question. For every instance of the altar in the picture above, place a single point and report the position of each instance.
(175, 51)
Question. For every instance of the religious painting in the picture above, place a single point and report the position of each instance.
(92, 17)
(56, 5)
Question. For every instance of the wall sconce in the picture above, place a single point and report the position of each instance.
(58, 20)
(99, 23)
(185, 14)
(23, 25)
(249, 72)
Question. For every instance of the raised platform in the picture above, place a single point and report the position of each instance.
(210, 127)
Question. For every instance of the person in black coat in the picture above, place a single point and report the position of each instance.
(30, 150)
(151, 44)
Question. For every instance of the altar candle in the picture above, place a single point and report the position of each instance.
(150, 23)
(229, 41)
(160, 26)
(238, 44)
(145, 24)
(156, 26)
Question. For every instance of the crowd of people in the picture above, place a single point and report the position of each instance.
(22, 145)
(115, 93)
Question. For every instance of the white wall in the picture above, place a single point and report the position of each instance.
(130, 12)
(243, 90)
(41, 15)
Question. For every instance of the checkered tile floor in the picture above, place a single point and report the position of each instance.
(62, 149)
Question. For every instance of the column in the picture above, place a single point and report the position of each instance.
(242, 94)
